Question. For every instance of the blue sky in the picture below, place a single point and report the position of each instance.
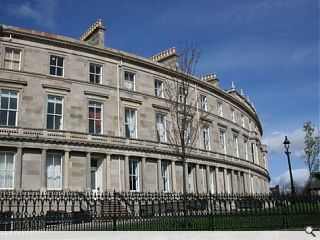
(269, 48)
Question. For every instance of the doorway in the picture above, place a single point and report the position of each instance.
(96, 175)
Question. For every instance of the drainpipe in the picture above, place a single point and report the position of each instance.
(119, 126)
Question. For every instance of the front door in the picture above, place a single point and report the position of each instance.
(96, 175)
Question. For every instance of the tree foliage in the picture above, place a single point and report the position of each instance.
(311, 147)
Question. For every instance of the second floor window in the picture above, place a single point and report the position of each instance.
(186, 130)
(222, 142)
(129, 81)
(12, 58)
(233, 115)
(95, 73)
(161, 127)
(206, 138)
(56, 65)
(8, 108)
(95, 117)
(203, 102)
(242, 121)
(220, 109)
(130, 122)
(54, 112)
(158, 88)
(183, 94)
(245, 141)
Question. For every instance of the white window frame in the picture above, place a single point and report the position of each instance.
(206, 137)
(236, 145)
(222, 141)
(11, 60)
(95, 105)
(55, 102)
(11, 94)
(94, 74)
(159, 88)
(129, 124)
(134, 175)
(165, 176)
(203, 102)
(55, 65)
(161, 134)
(220, 109)
(129, 83)
(55, 173)
(6, 170)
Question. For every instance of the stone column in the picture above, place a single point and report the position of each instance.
(226, 181)
(198, 180)
(159, 179)
(18, 169)
(43, 170)
(126, 174)
(107, 172)
(209, 179)
(240, 189)
(88, 171)
(173, 176)
(143, 174)
(218, 186)
(66, 171)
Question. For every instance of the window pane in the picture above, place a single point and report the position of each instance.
(59, 108)
(51, 107)
(60, 62)
(8, 53)
(3, 117)
(98, 69)
(91, 126)
(12, 118)
(49, 121)
(57, 122)
(7, 64)
(91, 68)
(15, 66)
(4, 101)
(16, 54)
(52, 60)
(59, 71)
(13, 103)
(52, 71)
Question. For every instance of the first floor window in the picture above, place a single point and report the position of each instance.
(245, 141)
(242, 121)
(6, 169)
(183, 94)
(186, 128)
(233, 115)
(129, 81)
(54, 171)
(134, 175)
(95, 117)
(205, 136)
(165, 176)
(56, 65)
(130, 122)
(12, 58)
(236, 146)
(222, 142)
(54, 112)
(8, 107)
(161, 127)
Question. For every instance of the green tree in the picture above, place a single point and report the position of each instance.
(311, 147)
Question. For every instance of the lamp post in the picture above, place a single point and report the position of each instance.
(286, 146)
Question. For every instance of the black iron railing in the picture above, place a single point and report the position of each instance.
(28, 210)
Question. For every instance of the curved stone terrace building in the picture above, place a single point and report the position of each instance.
(78, 116)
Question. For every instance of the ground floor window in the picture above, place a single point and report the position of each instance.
(6, 169)
(134, 175)
(165, 176)
(54, 171)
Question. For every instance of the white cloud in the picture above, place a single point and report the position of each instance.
(300, 177)
(42, 12)
(274, 142)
